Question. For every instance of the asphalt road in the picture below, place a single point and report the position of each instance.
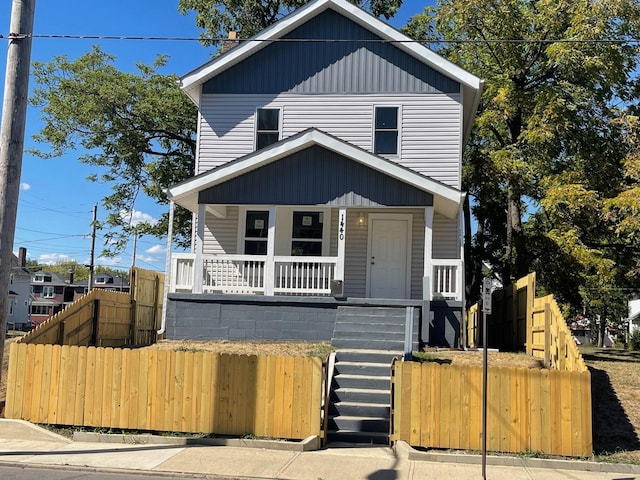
(22, 472)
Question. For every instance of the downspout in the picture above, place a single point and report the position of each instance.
(167, 270)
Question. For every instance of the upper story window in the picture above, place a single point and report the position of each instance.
(306, 233)
(39, 277)
(385, 141)
(101, 280)
(48, 292)
(255, 232)
(267, 127)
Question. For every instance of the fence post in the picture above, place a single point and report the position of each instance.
(547, 336)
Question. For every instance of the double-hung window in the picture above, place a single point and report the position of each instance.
(255, 232)
(385, 141)
(48, 292)
(306, 233)
(267, 127)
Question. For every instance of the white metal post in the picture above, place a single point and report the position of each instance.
(342, 242)
(427, 283)
(198, 262)
(269, 268)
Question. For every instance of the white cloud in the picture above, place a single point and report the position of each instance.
(145, 258)
(110, 261)
(25, 186)
(137, 217)
(51, 258)
(156, 250)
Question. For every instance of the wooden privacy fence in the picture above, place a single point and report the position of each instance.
(439, 406)
(551, 338)
(147, 289)
(519, 319)
(164, 390)
(106, 318)
(101, 317)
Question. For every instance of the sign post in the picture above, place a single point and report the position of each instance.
(486, 310)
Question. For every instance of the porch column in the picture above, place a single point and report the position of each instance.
(428, 254)
(198, 264)
(342, 241)
(270, 267)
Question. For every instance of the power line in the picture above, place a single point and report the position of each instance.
(323, 40)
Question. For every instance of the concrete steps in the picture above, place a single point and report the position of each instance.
(366, 340)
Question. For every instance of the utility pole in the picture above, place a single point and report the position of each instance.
(14, 114)
(93, 247)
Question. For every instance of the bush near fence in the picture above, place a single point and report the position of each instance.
(529, 410)
(164, 390)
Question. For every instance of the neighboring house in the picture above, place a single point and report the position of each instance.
(50, 294)
(19, 293)
(328, 174)
(104, 281)
(634, 315)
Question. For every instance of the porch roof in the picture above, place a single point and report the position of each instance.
(386, 182)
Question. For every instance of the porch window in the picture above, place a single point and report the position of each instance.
(386, 130)
(267, 127)
(306, 233)
(255, 232)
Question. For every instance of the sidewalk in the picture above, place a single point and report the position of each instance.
(24, 443)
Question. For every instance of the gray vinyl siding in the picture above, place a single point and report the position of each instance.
(315, 176)
(446, 242)
(221, 234)
(429, 127)
(357, 63)
(355, 266)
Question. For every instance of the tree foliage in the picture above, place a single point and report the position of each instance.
(547, 151)
(248, 17)
(137, 129)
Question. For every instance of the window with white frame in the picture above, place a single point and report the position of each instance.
(385, 136)
(39, 277)
(267, 127)
(48, 292)
(101, 280)
(39, 310)
(306, 233)
(255, 232)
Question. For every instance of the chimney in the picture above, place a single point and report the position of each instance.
(230, 42)
(22, 257)
(70, 276)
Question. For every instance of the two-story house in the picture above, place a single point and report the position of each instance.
(50, 295)
(19, 293)
(328, 176)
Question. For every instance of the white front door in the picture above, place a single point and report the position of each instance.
(389, 256)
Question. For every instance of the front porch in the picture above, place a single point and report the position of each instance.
(290, 275)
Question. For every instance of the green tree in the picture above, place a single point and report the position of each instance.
(137, 129)
(218, 17)
(553, 71)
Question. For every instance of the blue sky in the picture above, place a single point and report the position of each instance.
(56, 200)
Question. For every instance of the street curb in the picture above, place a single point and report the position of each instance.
(506, 461)
(310, 443)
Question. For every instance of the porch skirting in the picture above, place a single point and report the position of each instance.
(204, 317)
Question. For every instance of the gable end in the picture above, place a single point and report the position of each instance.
(318, 64)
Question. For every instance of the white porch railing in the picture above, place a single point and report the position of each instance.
(247, 274)
(304, 275)
(447, 279)
(292, 275)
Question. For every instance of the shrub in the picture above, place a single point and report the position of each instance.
(634, 340)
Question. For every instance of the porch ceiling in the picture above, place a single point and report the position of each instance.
(314, 168)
